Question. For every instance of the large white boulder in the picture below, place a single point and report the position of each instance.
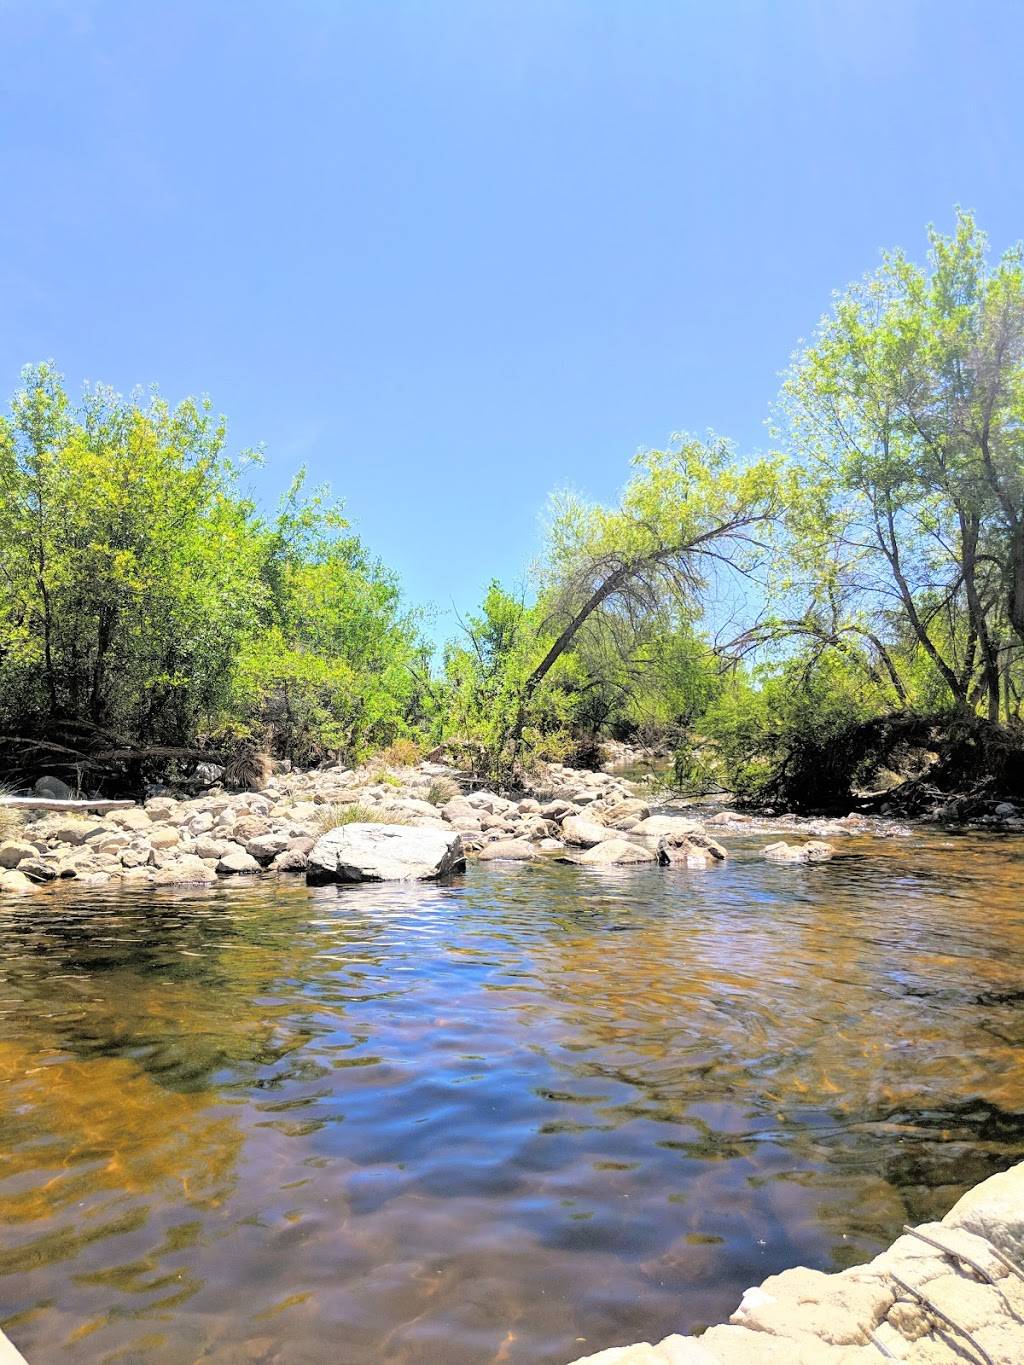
(384, 853)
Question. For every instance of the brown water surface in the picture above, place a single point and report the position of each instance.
(530, 1114)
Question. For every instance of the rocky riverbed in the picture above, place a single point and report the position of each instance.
(943, 1293)
(591, 818)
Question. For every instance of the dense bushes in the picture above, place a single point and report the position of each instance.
(150, 613)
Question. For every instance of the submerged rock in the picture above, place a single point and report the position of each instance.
(878, 1310)
(384, 853)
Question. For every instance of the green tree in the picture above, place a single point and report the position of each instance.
(129, 565)
(149, 611)
(908, 414)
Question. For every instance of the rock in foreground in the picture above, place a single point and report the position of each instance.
(384, 853)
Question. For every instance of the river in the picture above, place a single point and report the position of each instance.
(530, 1114)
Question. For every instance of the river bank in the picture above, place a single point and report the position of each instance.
(944, 1293)
(592, 817)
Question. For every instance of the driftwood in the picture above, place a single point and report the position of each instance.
(51, 803)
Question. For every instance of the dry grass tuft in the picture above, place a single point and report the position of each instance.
(442, 791)
(333, 817)
(12, 821)
(247, 769)
(403, 753)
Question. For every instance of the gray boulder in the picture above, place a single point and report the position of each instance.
(508, 851)
(291, 860)
(53, 789)
(810, 852)
(265, 847)
(624, 814)
(71, 830)
(187, 870)
(238, 863)
(613, 853)
(14, 851)
(690, 850)
(384, 853)
(655, 826)
(14, 881)
(37, 870)
(577, 829)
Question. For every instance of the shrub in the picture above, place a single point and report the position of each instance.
(442, 791)
(586, 752)
(403, 753)
(335, 816)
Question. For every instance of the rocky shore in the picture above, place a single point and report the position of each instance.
(945, 1293)
(325, 824)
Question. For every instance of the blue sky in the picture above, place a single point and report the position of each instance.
(455, 253)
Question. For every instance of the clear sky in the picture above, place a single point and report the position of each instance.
(451, 254)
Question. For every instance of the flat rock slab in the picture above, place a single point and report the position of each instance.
(668, 826)
(384, 853)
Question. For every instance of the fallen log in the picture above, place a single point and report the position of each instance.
(51, 803)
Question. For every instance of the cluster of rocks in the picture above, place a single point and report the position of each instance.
(301, 822)
(943, 1293)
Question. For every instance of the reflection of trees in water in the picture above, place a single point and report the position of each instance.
(184, 988)
(138, 1031)
(103, 1126)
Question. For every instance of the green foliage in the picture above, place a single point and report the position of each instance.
(776, 732)
(148, 605)
(400, 753)
(908, 415)
(129, 566)
(149, 608)
(609, 645)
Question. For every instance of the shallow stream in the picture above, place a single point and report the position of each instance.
(533, 1113)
